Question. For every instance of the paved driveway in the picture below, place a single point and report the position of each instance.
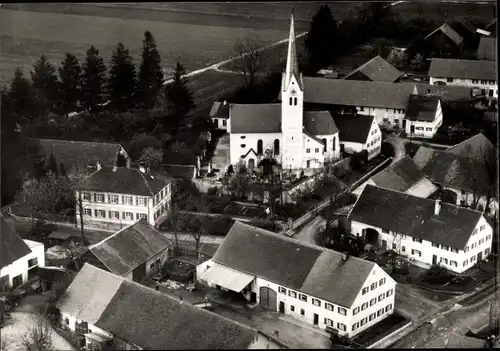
(221, 157)
(399, 146)
(309, 231)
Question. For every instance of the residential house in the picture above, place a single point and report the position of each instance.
(219, 114)
(487, 49)
(358, 133)
(110, 311)
(403, 176)
(116, 197)
(19, 259)
(423, 116)
(477, 74)
(134, 252)
(444, 42)
(463, 172)
(181, 171)
(324, 288)
(428, 232)
(82, 157)
(376, 70)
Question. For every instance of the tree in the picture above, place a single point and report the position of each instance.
(39, 336)
(482, 166)
(151, 158)
(322, 39)
(52, 165)
(93, 81)
(44, 80)
(239, 184)
(250, 58)
(74, 251)
(70, 74)
(150, 73)
(21, 99)
(417, 62)
(122, 83)
(140, 142)
(179, 100)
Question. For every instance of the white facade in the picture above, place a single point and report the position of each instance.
(391, 118)
(425, 129)
(465, 197)
(373, 143)
(220, 123)
(240, 145)
(490, 87)
(18, 271)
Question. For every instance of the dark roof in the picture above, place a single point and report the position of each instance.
(399, 176)
(422, 108)
(492, 27)
(356, 93)
(219, 110)
(12, 247)
(122, 181)
(259, 118)
(449, 32)
(180, 171)
(487, 49)
(319, 123)
(80, 154)
(477, 143)
(353, 128)
(156, 321)
(130, 247)
(316, 271)
(208, 249)
(445, 92)
(377, 70)
(414, 216)
(464, 69)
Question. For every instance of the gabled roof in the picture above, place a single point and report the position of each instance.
(399, 176)
(449, 32)
(130, 247)
(180, 171)
(492, 27)
(478, 143)
(12, 247)
(487, 49)
(258, 118)
(319, 123)
(415, 217)
(356, 93)
(219, 110)
(122, 180)
(80, 153)
(316, 271)
(422, 108)
(464, 69)
(377, 70)
(445, 92)
(353, 128)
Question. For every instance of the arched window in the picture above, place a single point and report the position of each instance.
(324, 144)
(290, 101)
(295, 101)
(276, 146)
(334, 140)
(259, 147)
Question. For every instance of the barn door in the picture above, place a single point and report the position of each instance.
(268, 298)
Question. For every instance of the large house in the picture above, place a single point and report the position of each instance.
(476, 74)
(298, 139)
(116, 197)
(428, 232)
(376, 70)
(358, 133)
(19, 259)
(134, 252)
(423, 116)
(487, 49)
(321, 287)
(108, 311)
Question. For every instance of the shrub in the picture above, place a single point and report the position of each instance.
(436, 275)
(388, 149)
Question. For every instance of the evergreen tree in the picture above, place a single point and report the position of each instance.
(322, 38)
(122, 82)
(52, 165)
(70, 86)
(93, 81)
(44, 80)
(19, 100)
(62, 170)
(179, 100)
(150, 73)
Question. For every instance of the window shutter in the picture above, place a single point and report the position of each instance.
(123, 199)
(95, 213)
(93, 197)
(123, 215)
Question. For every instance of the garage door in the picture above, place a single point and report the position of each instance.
(268, 298)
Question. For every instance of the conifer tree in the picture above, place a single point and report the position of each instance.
(179, 100)
(44, 80)
(321, 41)
(150, 73)
(122, 82)
(20, 98)
(93, 81)
(70, 74)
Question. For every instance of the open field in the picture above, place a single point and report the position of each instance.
(442, 11)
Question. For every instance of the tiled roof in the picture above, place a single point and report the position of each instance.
(316, 271)
(357, 93)
(422, 108)
(487, 49)
(399, 176)
(12, 247)
(464, 69)
(377, 70)
(130, 247)
(122, 181)
(219, 110)
(258, 118)
(79, 154)
(449, 32)
(414, 216)
(353, 128)
(444, 92)
(180, 171)
(319, 123)
(478, 143)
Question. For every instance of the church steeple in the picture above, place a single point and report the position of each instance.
(292, 65)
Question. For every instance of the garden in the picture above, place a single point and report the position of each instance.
(178, 270)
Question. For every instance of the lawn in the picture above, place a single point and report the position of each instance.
(439, 11)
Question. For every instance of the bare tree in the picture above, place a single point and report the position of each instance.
(38, 337)
(250, 57)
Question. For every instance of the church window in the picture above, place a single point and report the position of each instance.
(295, 101)
(243, 145)
(276, 146)
(242, 137)
(334, 141)
(324, 144)
(290, 101)
(259, 147)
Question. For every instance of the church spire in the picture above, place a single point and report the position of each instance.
(292, 65)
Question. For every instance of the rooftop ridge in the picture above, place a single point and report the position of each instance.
(464, 141)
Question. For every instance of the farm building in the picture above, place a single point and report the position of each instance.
(376, 70)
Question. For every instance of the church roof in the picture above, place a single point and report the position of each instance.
(292, 65)
(319, 123)
(354, 128)
(260, 118)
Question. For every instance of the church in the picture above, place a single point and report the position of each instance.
(297, 139)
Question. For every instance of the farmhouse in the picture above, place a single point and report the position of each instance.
(376, 70)
(118, 196)
(423, 116)
(134, 252)
(487, 49)
(318, 286)
(444, 41)
(19, 259)
(110, 311)
(219, 114)
(358, 133)
(427, 231)
(476, 74)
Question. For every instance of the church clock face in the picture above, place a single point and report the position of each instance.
(293, 92)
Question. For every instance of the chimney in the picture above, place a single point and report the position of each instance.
(142, 169)
(98, 164)
(437, 207)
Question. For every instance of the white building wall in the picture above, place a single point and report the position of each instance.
(316, 159)
(20, 266)
(387, 117)
(373, 143)
(220, 123)
(487, 85)
(159, 256)
(485, 235)
(468, 198)
(332, 154)
(236, 148)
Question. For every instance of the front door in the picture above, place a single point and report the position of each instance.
(282, 307)
(404, 123)
(316, 319)
(479, 257)
(308, 164)
(216, 123)
(434, 259)
(268, 298)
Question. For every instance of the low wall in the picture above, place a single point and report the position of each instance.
(385, 338)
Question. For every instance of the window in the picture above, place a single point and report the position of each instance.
(32, 262)
(445, 260)
(487, 251)
(364, 306)
(428, 129)
(361, 108)
(435, 245)
(302, 312)
(394, 247)
(481, 228)
(260, 147)
(342, 311)
(295, 101)
(308, 151)
(329, 322)
(143, 216)
(290, 101)
(484, 81)
(334, 141)
(282, 290)
(86, 196)
(374, 286)
(316, 302)
(292, 294)
(365, 290)
(380, 312)
(341, 326)
(142, 201)
(415, 240)
(396, 121)
(373, 301)
(481, 241)
(385, 231)
(454, 250)
(242, 137)
(466, 249)
(449, 80)
(355, 326)
(152, 265)
(129, 216)
(363, 321)
(403, 248)
(473, 245)
(113, 199)
(466, 262)
(388, 307)
(87, 212)
(328, 306)
(276, 146)
(316, 150)
(475, 81)
(66, 321)
(371, 317)
(385, 120)
(381, 282)
(243, 145)
(224, 122)
(128, 200)
(100, 213)
(472, 259)
(453, 263)
(381, 297)
(492, 82)
(303, 297)
(355, 311)
(292, 308)
(99, 197)
(416, 253)
(389, 293)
